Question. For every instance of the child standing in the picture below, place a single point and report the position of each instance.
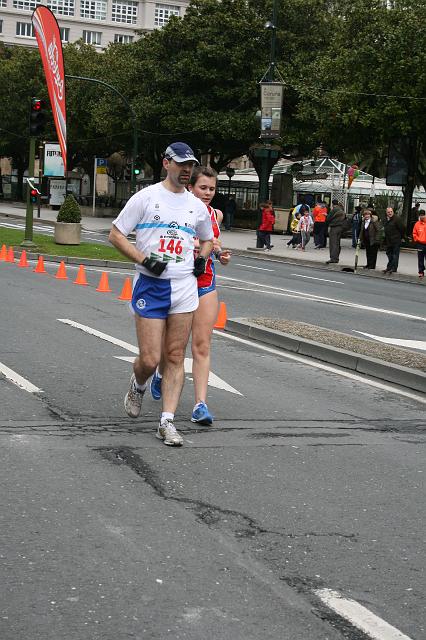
(266, 226)
(305, 227)
(296, 239)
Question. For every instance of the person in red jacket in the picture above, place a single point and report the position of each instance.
(419, 237)
(266, 225)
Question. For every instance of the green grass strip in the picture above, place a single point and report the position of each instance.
(46, 244)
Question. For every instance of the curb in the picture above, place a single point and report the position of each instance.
(402, 376)
(92, 262)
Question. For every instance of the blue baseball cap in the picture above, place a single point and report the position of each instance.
(180, 152)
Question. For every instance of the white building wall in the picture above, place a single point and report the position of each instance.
(10, 15)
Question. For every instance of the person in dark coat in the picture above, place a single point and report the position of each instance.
(394, 232)
(230, 210)
(356, 225)
(369, 235)
(335, 222)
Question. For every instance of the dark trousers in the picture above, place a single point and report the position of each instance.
(393, 258)
(421, 256)
(264, 238)
(335, 234)
(320, 234)
(371, 250)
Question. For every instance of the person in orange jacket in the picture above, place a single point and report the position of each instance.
(319, 214)
(419, 237)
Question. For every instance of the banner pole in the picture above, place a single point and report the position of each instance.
(94, 187)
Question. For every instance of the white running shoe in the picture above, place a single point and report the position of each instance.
(167, 433)
(133, 399)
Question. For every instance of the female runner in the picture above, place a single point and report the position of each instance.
(203, 186)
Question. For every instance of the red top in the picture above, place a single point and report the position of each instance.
(206, 279)
(268, 219)
(419, 231)
(319, 213)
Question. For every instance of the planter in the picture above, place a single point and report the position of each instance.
(67, 232)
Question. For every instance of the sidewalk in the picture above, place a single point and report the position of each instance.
(243, 242)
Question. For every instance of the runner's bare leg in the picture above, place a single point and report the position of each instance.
(149, 332)
(178, 328)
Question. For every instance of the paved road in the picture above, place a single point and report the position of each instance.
(310, 480)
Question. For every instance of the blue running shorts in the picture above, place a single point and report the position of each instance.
(160, 297)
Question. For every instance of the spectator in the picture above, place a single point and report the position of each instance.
(394, 232)
(305, 227)
(419, 237)
(230, 211)
(335, 221)
(369, 235)
(295, 241)
(319, 214)
(356, 225)
(266, 226)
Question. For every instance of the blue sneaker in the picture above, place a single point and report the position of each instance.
(155, 386)
(201, 414)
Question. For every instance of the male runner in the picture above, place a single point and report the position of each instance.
(167, 218)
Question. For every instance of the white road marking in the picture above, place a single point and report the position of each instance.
(102, 336)
(20, 382)
(214, 380)
(413, 344)
(314, 298)
(360, 616)
(247, 266)
(325, 367)
(298, 275)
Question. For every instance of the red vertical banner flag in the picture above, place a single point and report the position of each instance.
(50, 46)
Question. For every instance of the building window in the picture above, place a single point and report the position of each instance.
(65, 34)
(93, 9)
(25, 29)
(124, 11)
(123, 39)
(63, 7)
(1, 26)
(24, 5)
(3, 3)
(163, 12)
(92, 37)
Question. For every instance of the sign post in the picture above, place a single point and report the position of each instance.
(100, 167)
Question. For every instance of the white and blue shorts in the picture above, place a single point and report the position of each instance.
(160, 297)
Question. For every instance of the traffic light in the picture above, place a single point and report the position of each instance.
(138, 165)
(37, 117)
(34, 195)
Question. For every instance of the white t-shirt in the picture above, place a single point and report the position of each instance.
(166, 224)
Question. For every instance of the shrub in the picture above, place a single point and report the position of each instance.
(69, 211)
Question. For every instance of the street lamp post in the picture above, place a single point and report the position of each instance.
(265, 154)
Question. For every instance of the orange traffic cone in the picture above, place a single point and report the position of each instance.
(40, 266)
(3, 253)
(126, 292)
(103, 283)
(10, 255)
(81, 277)
(221, 317)
(23, 262)
(61, 273)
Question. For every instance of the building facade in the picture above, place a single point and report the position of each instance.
(96, 22)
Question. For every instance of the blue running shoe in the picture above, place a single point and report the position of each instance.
(155, 386)
(201, 414)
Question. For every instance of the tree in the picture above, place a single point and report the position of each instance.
(372, 81)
